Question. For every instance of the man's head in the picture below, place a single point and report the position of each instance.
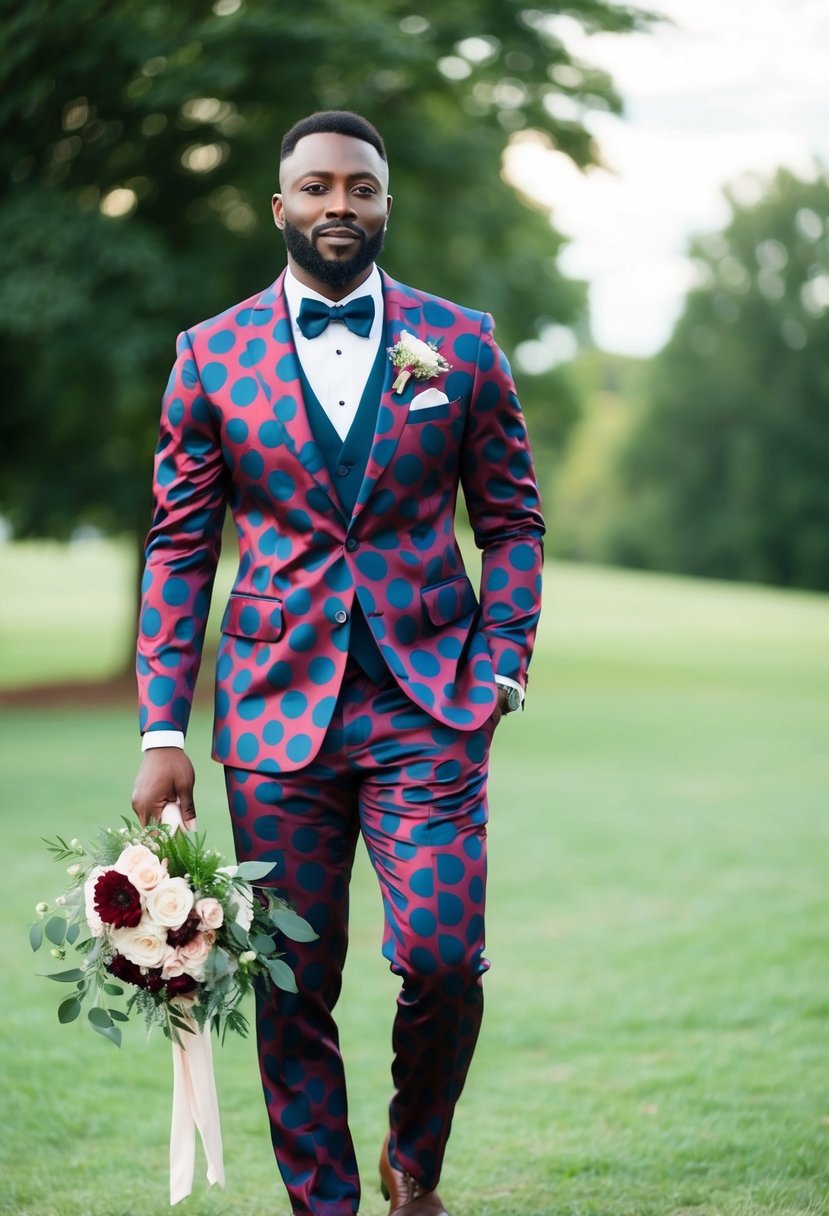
(333, 200)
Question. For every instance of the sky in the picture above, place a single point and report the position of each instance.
(725, 92)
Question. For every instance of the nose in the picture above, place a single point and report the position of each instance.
(340, 204)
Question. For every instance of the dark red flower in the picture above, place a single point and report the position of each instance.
(127, 971)
(186, 932)
(180, 984)
(117, 901)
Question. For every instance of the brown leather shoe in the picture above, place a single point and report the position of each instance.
(406, 1197)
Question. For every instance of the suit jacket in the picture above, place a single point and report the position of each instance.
(235, 430)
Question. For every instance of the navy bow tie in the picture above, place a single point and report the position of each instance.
(315, 315)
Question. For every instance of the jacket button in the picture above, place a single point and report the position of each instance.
(343, 470)
(341, 616)
(352, 543)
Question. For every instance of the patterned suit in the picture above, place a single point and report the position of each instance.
(314, 750)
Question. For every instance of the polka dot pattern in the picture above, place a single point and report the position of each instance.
(389, 770)
(235, 430)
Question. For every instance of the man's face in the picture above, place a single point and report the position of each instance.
(332, 210)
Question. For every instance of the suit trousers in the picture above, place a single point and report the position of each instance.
(416, 791)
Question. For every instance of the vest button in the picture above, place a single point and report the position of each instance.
(341, 616)
(352, 543)
(343, 470)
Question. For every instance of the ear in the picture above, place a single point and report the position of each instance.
(389, 201)
(278, 209)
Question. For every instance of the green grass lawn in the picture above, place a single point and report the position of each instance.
(656, 1040)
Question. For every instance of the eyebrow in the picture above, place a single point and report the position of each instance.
(350, 177)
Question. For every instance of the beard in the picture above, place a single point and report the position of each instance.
(333, 272)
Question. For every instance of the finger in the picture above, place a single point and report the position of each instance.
(187, 808)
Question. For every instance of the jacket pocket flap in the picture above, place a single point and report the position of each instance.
(253, 616)
(447, 601)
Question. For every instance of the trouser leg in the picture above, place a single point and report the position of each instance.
(306, 824)
(423, 815)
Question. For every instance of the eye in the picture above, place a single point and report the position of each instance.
(314, 188)
(365, 191)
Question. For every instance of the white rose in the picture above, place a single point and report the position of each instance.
(210, 913)
(141, 866)
(96, 925)
(419, 352)
(170, 903)
(145, 945)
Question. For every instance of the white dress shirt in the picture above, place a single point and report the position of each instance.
(337, 364)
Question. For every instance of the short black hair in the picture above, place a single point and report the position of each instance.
(339, 122)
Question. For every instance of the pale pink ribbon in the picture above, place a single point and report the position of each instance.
(195, 1102)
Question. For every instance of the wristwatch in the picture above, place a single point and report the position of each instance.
(513, 698)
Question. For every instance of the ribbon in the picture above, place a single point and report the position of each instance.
(195, 1102)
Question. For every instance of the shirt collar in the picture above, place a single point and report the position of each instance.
(296, 292)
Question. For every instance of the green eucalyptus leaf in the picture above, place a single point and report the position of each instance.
(68, 1010)
(99, 1017)
(238, 935)
(117, 1015)
(113, 989)
(55, 930)
(67, 977)
(281, 974)
(293, 925)
(73, 933)
(109, 1032)
(262, 944)
(36, 935)
(251, 871)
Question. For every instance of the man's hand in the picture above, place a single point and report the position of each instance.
(166, 775)
(501, 708)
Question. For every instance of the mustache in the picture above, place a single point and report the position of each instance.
(337, 224)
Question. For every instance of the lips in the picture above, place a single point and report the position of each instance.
(339, 235)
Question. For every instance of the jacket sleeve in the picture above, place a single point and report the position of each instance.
(182, 548)
(504, 508)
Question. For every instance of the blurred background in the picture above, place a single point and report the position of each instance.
(641, 198)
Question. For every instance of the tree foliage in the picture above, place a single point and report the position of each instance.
(139, 154)
(727, 473)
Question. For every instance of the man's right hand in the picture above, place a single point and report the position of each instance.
(166, 775)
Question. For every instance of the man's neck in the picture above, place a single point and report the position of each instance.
(334, 294)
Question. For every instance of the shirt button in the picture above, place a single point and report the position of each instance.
(352, 543)
(341, 616)
(339, 352)
(342, 403)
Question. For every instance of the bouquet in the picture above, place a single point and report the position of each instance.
(159, 919)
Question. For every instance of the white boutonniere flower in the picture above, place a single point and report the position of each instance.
(415, 358)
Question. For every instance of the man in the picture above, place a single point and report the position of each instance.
(359, 680)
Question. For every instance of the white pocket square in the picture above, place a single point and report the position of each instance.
(429, 396)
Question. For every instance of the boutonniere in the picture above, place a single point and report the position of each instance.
(415, 358)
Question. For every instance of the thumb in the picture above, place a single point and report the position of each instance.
(187, 807)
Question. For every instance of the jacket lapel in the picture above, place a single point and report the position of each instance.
(403, 310)
(283, 388)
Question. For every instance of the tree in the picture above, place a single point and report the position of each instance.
(139, 153)
(726, 472)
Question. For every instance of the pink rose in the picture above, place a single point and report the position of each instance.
(173, 964)
(141, 866)
(210, 912)
(194, 954)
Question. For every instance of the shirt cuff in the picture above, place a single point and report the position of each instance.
(162, 738)
(506, 682)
